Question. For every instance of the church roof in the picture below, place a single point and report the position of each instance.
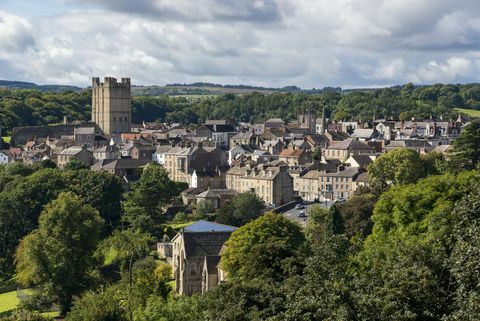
(205, 226)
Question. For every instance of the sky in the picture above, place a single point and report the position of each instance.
(274, 43)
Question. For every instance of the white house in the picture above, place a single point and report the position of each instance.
(159, 155)
(5, 158)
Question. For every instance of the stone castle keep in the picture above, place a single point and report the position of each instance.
(111, 108)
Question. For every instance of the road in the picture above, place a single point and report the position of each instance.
(293, 213)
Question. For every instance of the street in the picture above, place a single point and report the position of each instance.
(293, 213)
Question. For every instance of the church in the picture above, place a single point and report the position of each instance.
(196, 255)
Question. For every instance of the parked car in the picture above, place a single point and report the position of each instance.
(299, 206)
(302, 214)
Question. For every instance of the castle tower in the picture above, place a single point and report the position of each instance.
(324, 123)
(111, 109)
(306, 120)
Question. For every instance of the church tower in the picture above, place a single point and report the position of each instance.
(111, 109)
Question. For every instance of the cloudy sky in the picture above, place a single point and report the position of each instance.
(309, 43)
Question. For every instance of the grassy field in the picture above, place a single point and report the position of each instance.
(469, 112)
(6, 139)
(8, 301)
(177, 226)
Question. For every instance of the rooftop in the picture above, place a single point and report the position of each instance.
(205, 226)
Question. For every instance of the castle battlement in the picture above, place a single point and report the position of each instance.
(111, 82)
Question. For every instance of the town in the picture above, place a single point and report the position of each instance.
(292, 167)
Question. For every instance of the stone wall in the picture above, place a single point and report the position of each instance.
(20, 135)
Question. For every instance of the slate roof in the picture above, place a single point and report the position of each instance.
(205, 226)
(350, 144)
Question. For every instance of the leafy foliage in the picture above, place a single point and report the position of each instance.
(143, 205)
(241, 209)
(262, 248)
(58, 256)
(466, 148)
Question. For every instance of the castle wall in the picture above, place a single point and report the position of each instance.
(20, 135)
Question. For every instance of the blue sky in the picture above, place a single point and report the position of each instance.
(309, 43)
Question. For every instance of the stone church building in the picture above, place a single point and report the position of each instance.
(196, 255)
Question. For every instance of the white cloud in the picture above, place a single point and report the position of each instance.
(311, 43)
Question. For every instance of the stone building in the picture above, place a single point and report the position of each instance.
(80, 153)
(192, 246)
(322, 185)
(111, 108)
(271, 182)
(342, 150)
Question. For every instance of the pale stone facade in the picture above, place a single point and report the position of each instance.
(273, 184)
(111, 108)
(196, 253)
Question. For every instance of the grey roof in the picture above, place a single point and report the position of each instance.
(205, 226)
(84, 130)
(125, 163)
(350, 144)
(211, 193)
(73, 150)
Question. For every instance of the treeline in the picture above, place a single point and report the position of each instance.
(30, 107)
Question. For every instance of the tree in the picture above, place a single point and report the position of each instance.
(143, 205)
(356, 213)
(323, 222)
(21, 203)
(402, 271)
(263, 248)
(241, 209)
(57, 257)
(47, 163)
(102, 305)
(101, 190)
(465, 258)
(324, 291)
(129, 245)
(74, 164)
(466, 148)
(400, 166)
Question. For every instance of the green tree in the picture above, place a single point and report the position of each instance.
(324, 291)
(129, 246)
(21, 203)
(58, 256)
(102, 305)
(143, 205)
(357, 211)
(263, 248)
(466, 148)
(241, 209)
(400, 166)
(74, 164)
(465, 258)
(101, 190)
(323, 222)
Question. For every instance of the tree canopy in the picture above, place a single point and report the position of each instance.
(262, 247)
(241, 209)
(57, 257)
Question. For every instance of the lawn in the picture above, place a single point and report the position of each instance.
(177, 226)
(6, 139)
(8, 301)
(469, 112)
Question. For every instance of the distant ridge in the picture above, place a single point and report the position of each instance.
(13, 84)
